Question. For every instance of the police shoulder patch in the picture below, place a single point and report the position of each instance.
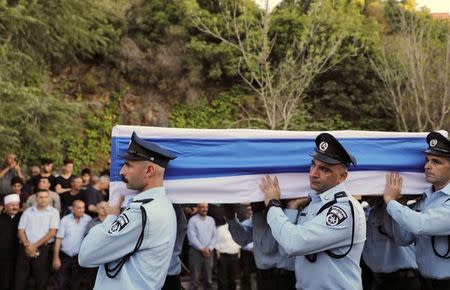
(119, 224)
(335, 216)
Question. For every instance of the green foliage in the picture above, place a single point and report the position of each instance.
(216, 61)
(222, 111)
(228, 110)
(90, 143)
(148, 21)
(353, 93)
(56, 29)
(30, 122)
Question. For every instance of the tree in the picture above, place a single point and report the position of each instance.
(56, 29)
(414, 65)
(279, 77)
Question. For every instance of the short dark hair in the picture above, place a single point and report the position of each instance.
(68, 161)
(42, 190)
(15, 180)
(43, 177)
(46, 161)
(85, 171)
(74, 177)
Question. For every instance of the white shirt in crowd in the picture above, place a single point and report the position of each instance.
(36, 223)
(225, 243)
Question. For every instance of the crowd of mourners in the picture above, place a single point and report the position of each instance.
(44, 219)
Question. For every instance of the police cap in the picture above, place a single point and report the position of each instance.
(329, 150)
(140, 150)
(438, 144)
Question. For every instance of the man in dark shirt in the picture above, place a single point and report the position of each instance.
(86, 177)
(46, 171)
(95, 194)
(63, 182)
(75, 193)
(9, 222)
(29, 185)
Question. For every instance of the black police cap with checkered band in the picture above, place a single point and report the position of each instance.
(140, 149)
(438, 144)
(330, 151)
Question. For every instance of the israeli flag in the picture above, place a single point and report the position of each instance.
(226, 165)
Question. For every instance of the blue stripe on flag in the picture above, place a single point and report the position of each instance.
(202, 158)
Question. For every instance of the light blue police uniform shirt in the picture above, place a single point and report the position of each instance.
(266, 250)
(175, 262)
(330, 230)
(381, 254)
(72, 233)
(202, 233)
(430, 217)
(111, 240)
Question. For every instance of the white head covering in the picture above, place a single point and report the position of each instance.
(12, 198)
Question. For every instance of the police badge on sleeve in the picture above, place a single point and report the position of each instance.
(119, 224)
(335, 216)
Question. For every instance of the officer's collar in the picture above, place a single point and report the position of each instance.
(445, 190)
(328, 195)
(150, 193)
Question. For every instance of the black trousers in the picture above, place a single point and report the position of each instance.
(247, 264)
(276, 279)
(90, 274)
(227, 265)
(69, 276)
(38, 268)
(8, 267)
(399, 280)
(433, 284)
(172, 282)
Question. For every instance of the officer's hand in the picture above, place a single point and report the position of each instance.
(56, 263)
(270, 187)
(114, 209)
(229, 210)
(393, 187)
(298, 203)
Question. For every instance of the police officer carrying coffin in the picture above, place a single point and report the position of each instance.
(394, 267)
(274, 268)
(427, 224)
(134, 248)
(329, 236)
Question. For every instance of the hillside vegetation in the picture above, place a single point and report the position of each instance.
(71, 69)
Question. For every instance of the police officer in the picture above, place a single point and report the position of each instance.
(394, 267)
(427, 224)
(274, 268)
(134, 249)
(329, 237)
